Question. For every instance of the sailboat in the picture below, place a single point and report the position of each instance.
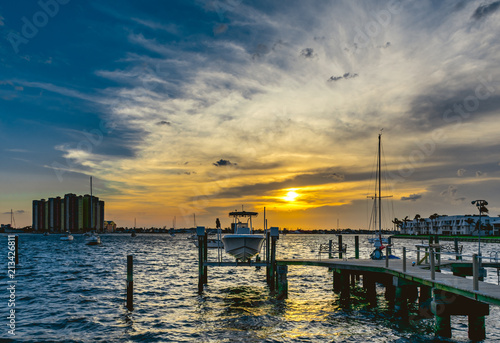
(93, 239)
(12, 227)
(379, 243)
(243, 244)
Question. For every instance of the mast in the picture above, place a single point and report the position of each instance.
(91, 206)
(379, 187)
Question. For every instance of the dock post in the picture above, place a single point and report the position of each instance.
(205, 258)
(457, 250)
(272, 277)
(344, 285)
(389, 249)
(330, 249)
(400, 302)
(418, 255)
(475, 273)
(200, 232)
(424, 300)
(281, 282)
(268, 257)
(477, 330)
(16, 251)
(130, 282)
(370, 287)
(356, 247)
(387, 259)
(433, 269)
(404, 259)
(340, 246)
(442, 315)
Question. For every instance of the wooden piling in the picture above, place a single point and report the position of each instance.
(404, 259)
(356, 247)
(205, 258)
(477, 329)
(330, 243)
(268, 258)
(457, 250)
(130, 282)
(16, 251)
(340, 246)
(274, 238)
(281, 282)
(200, 232)
(475, 273)
(433, 269)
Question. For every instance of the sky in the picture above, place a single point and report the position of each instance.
(202, 107)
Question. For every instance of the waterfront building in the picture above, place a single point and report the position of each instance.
(71, 213)
(452, 225)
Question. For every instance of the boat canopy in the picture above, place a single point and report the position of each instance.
(242, 214)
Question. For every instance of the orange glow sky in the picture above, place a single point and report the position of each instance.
(182, 108)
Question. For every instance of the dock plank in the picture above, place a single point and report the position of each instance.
(487, 292)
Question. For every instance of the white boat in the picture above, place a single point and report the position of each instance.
(93, 239)
(67, 237)
(212, 243)
(243, 244)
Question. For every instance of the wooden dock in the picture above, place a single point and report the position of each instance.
(439, 294)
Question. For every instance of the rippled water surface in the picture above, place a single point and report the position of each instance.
(71, 292)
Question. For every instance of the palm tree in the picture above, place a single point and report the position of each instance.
(417, 221)
(406, 220)
(397, 223)
(433, 217)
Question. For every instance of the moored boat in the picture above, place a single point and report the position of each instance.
(93, 239)
(67, 236)
(243, 244)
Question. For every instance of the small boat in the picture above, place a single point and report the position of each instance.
(67, 236)
(212, 243)
(133, 234)
(243, 244)
(46, 233)
(93, 239)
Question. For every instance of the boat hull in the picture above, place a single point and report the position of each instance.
(93, 240)
(243, 247)
(67, 238)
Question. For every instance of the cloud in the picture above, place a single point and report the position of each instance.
(461, 172)
(345, 76)
(164, 122)
(480, 173)
(224, 163)
(485, 10)
(16, 212)
(308, 53)
(451, 195)
(412, 197)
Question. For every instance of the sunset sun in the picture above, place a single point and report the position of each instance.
(291, 196)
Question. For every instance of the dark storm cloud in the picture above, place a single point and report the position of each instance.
(345, 76)
(224, 163)
(308, 53)
(412, 197)
(318, 177)
(485, 10)
(164, 122)
(440, 107)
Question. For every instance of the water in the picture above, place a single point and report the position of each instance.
(71, 292)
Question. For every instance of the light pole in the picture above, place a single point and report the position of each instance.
(480, 204)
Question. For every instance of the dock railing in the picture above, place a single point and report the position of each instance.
(434, 257)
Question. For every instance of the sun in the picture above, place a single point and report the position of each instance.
(291, 196)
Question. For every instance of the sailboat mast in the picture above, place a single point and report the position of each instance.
(91, 206)
(379, 187)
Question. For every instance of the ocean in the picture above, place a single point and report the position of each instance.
(71, 292)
